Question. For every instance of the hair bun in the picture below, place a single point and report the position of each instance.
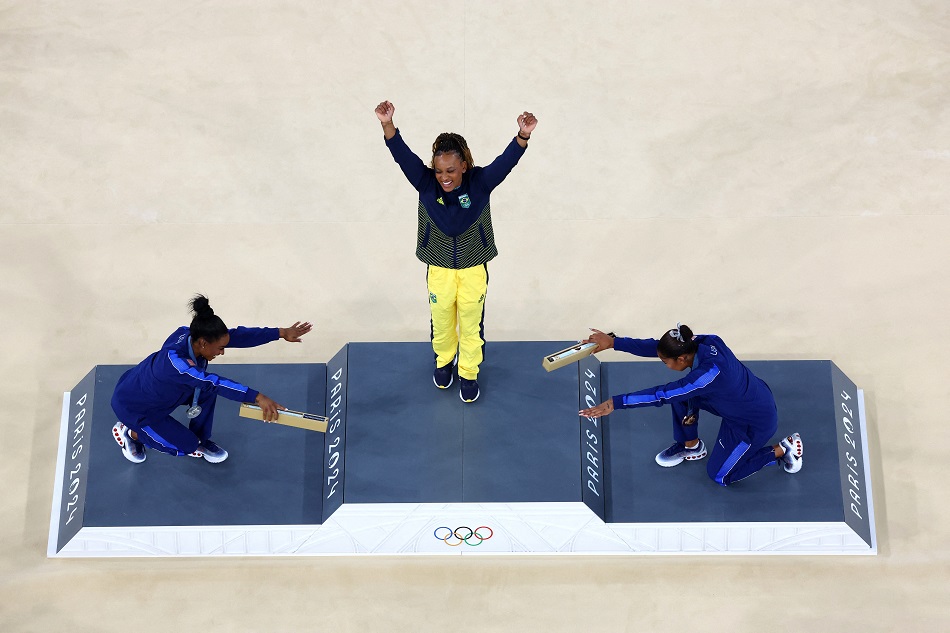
(676, 342)
(201, 306)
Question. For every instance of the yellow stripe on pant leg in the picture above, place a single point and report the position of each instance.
(443, 286)
(472, 289)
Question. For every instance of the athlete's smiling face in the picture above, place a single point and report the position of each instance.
(210, 351)
(449, 168)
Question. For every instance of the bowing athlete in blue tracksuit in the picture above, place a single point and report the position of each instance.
(177, 375)
(718, 383)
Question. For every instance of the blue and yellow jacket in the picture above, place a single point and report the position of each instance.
(454, 227)
(718, 383)
(167, 379)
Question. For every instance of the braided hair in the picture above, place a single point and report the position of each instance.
(206, 324)
(677, 342)
(450, 142)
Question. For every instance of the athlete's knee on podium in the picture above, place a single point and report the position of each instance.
(714, 470)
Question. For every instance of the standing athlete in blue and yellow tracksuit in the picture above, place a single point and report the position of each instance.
(718, 383)
(177, 375)
(455, 239)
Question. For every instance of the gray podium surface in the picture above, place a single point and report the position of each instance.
(273, 474)
(638, 490)
(403, 458)
(409, 442)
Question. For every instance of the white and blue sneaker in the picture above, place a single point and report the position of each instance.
(794, 448)
(132, 450)
(678, 452)
(210, 451)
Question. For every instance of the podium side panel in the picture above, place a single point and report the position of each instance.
(334, 456)
(590, 393)
(75, 459)
(851, 456)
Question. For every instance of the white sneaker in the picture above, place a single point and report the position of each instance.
(210, 451)
(678, 452)
(794, 448)
(132, 450)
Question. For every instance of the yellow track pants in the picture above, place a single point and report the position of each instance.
(457, 304)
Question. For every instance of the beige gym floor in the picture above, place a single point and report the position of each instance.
(775, 172)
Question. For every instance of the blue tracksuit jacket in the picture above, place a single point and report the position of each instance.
(718, 383)
(167, 379)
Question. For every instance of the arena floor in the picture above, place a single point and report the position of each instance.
(775, 173)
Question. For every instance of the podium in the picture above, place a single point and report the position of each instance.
(407, 468)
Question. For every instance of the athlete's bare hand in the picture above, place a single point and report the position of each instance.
(268, 407)
(293, 333)
(602, 409)
(526, 123)
(602, 339)
(384, 112)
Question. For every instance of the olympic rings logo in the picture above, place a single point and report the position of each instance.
(463, 534)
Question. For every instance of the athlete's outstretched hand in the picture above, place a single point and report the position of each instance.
(293, 333)
(603, 340)
(268, 407)
(602, 409)
(526, 123)
(384, 112)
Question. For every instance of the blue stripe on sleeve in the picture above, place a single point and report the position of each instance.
(660, 396)
(184, 368)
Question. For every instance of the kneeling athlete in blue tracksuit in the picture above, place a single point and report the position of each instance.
(718, 383)
(177, 375)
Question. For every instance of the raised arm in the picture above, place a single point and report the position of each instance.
(494, 173)
(384, 112)
(412, 166)
(526, 124)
